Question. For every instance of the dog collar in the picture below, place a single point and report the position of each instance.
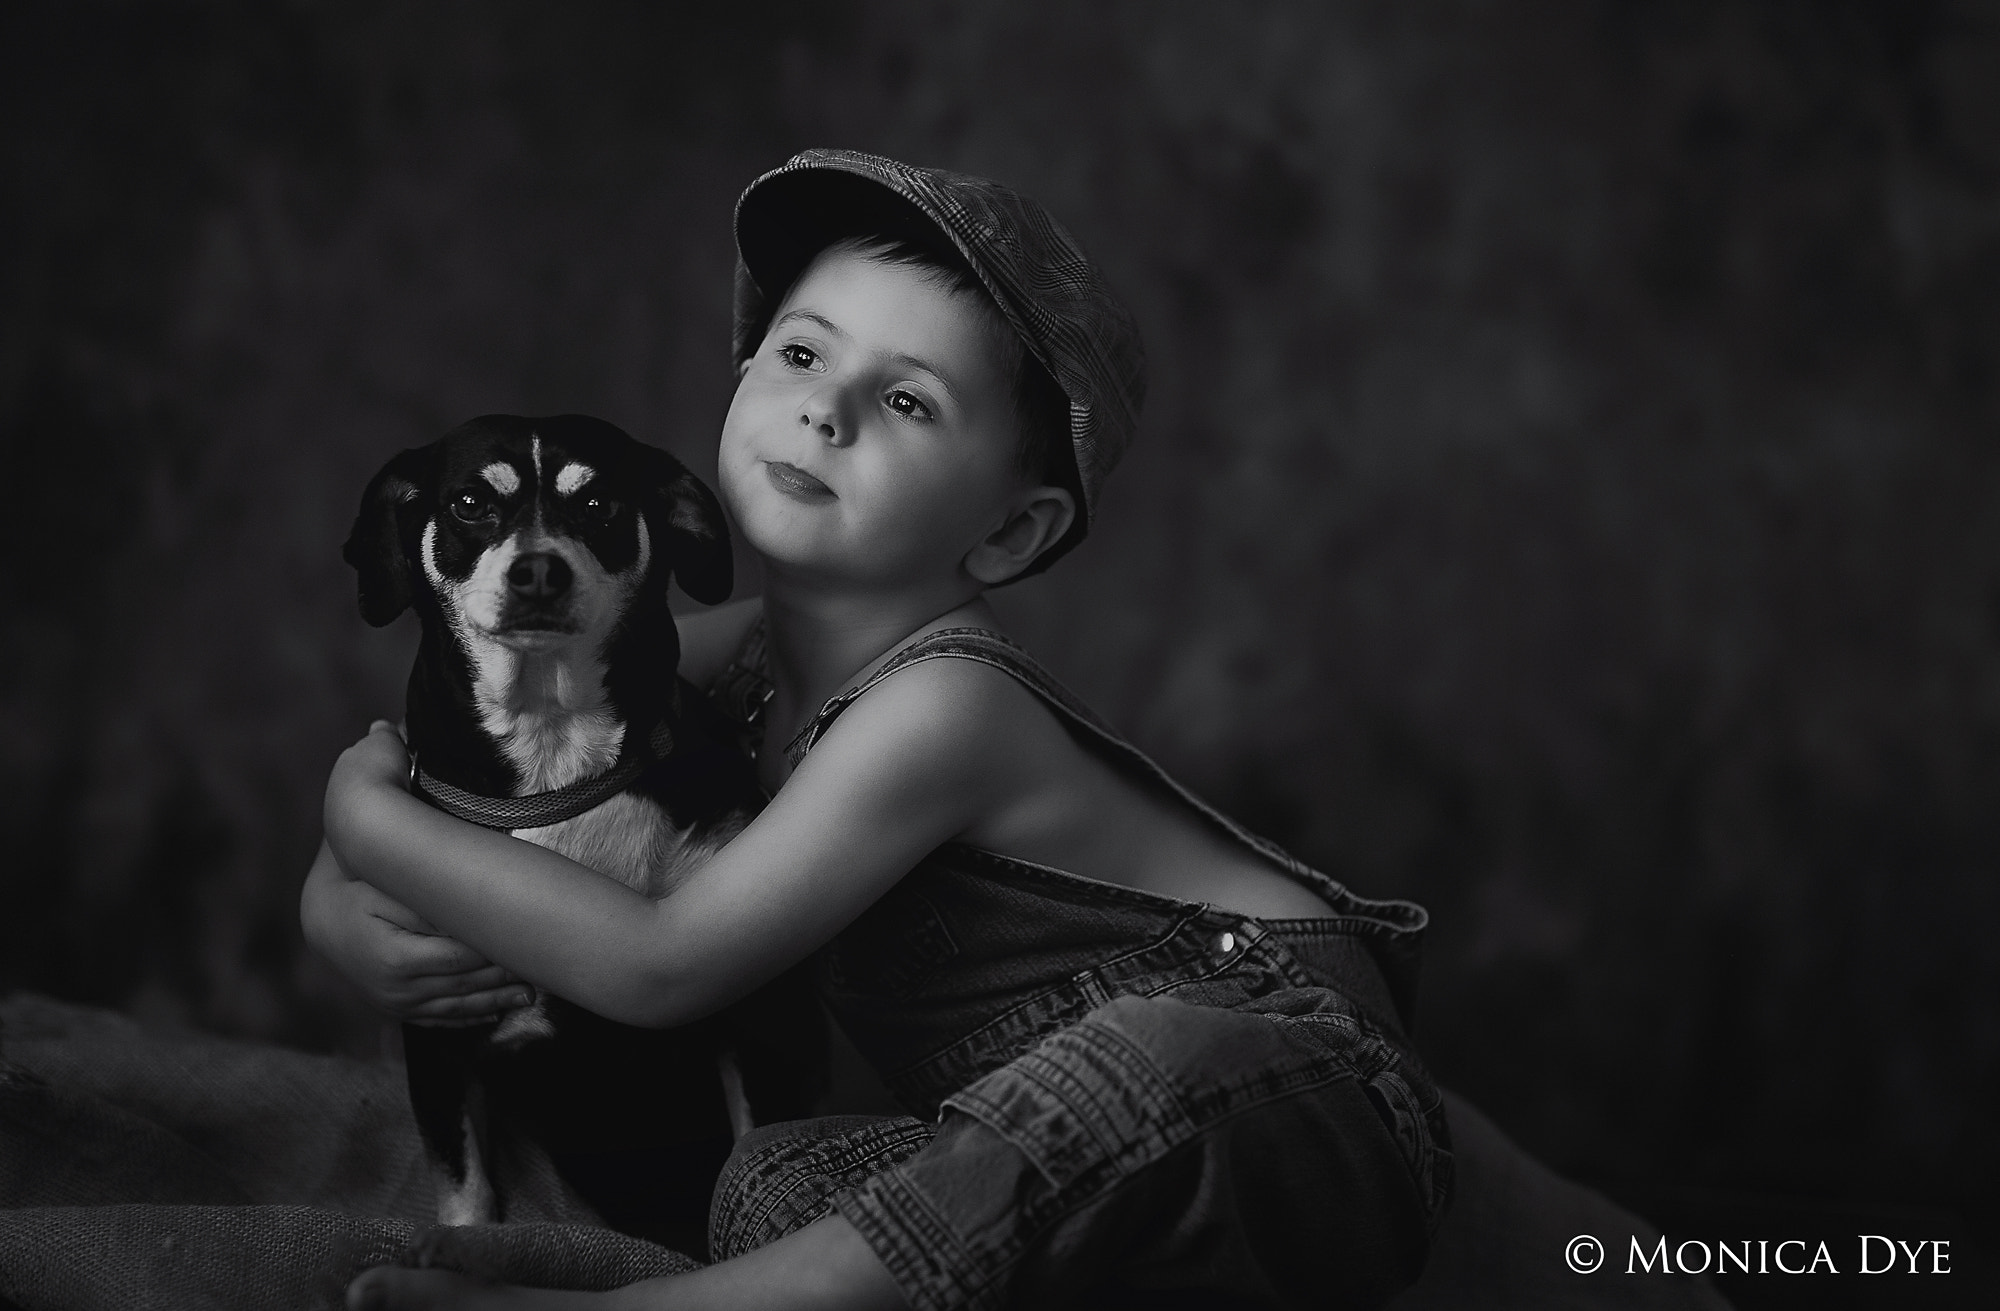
(539, 809)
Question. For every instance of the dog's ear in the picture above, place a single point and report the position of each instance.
(695, 537)
(386, 529)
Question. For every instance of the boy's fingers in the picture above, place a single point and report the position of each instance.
(472, 1005)
(420, 955)
(436, 987)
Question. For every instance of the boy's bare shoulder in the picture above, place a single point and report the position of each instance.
(969, 691)
(952, 714)
(959, 750)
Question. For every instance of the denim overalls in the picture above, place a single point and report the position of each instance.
(1114, 1093)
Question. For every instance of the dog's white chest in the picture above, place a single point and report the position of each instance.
(630, 838)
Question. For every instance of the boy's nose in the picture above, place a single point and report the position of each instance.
(823, 416)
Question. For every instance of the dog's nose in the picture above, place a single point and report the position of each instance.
(539, 576)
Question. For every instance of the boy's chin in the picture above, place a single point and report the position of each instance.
(788, 546)
(840, 566)
(813, 546)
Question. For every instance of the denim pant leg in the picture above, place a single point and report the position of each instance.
(782, 1177)
(1285, 1156)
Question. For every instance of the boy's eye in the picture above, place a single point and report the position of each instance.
(797, 356)
(907, 404)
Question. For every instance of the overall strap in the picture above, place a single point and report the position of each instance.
(743, 689)
(980, 644)
(990, 648)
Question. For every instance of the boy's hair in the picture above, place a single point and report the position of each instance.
(1041, 411)
(1083, 376)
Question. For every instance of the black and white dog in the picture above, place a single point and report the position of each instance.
(536, 554)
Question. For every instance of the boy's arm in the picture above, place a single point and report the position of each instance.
(399, 962)
(900, 773)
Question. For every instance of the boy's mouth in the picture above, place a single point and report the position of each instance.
(796, 482)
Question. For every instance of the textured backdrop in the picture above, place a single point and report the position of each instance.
(1569, 495)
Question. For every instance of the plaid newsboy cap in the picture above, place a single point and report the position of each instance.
(1043, 283)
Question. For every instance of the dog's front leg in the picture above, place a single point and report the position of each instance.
(449, 1100)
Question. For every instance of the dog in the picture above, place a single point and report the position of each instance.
(536, 553)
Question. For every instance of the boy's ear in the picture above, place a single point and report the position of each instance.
(693, 537)
(386, 530)
(1033, 524)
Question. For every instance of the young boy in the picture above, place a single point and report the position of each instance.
(1152, 1051)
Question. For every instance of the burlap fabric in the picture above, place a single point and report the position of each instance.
(143, 1167)
(148, 1168)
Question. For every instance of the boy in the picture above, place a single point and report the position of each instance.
(1157, 1052)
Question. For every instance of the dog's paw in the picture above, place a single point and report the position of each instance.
(530, 1023)
(456, 1250)
(470, 1203)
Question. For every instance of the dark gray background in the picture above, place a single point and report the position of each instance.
(1569, 494)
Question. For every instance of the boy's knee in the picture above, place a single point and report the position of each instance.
(1210, 1062)
(1235, 1132)
(1136, 1079)
(1142, 1076)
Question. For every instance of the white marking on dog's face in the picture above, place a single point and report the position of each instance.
(540, 690)
(500, 476)
(572, 476)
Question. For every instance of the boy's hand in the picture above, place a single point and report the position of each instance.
(378, 763)
(403, 965)
(377, 760)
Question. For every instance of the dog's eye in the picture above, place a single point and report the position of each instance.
(472, 507)
(599, 509)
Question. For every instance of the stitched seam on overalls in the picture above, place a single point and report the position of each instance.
(969, 1037)
(822, 1160)
(1160, 983)
(1428, 1159)
(934, 1237)
(1078, 1098)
